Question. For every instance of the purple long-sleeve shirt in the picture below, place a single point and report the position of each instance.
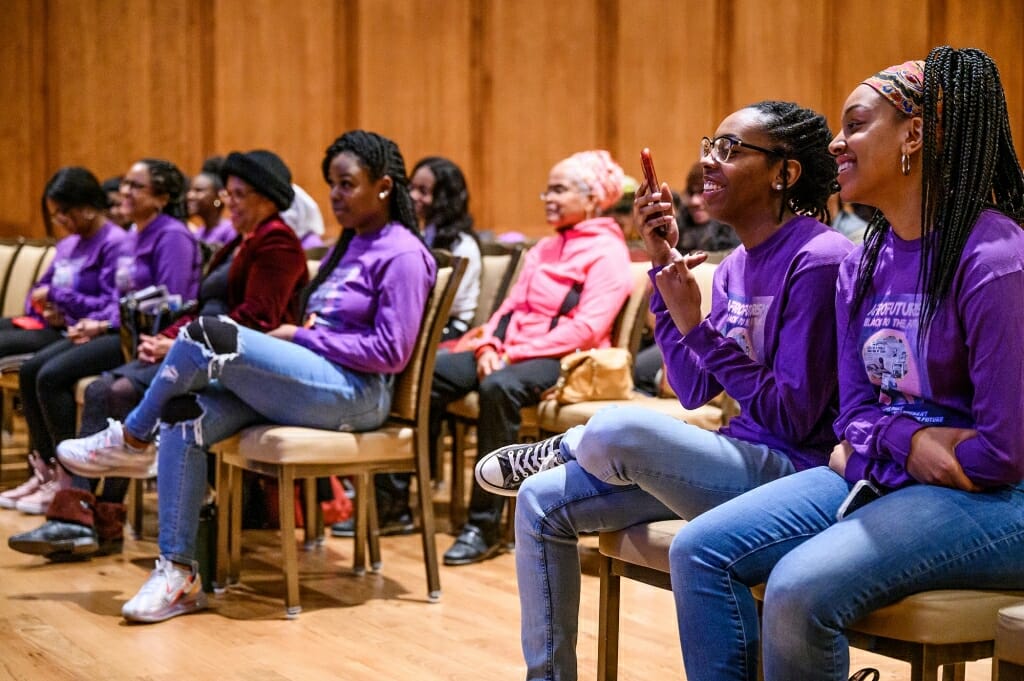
(368, 310)
(81, 276)
(165, 252)
(967, 373)
(769, 341)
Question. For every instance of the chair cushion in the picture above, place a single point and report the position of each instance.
(557, 418)
(1010, 634)
(646, 544)
(296, 445)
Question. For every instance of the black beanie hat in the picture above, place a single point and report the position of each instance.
(265, 171)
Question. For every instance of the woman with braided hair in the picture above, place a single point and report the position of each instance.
(362, 310)
(769, 341)
(924, 489)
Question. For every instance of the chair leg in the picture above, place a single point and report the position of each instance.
(373, 530)
(457, 508)
(362, 483)
(954, 671)
(235, 534)
(286, 506)
(137, 510)
(310, 521)
(608, 623)
(224, 473)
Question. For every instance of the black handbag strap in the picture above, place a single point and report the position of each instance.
(571, 300)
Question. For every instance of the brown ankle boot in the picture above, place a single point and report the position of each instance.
(110, 526)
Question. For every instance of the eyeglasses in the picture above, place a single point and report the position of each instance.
(720, 148)
(132, 185)
(557, 190)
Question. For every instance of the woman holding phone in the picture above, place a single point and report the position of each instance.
(931, 358)
(768, 342)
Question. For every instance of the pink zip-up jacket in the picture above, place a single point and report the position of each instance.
(592, 252)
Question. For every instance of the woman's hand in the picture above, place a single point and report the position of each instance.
(53, 317)
(658, 223)
(284, 332)
(840, 455)
(488, 362)
(153, 349)
(680, 291)
(87, 329)
(932, 459)
(40, 297)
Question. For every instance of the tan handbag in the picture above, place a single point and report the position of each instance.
(590, 375)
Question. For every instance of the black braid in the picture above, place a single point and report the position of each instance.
(379, 156)
(968, 164)
(802, 135)
(211, 169)
(449, 207)
(166, 178)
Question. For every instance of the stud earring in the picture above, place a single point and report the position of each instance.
(383, 195)
(778, 186)
(217, 203)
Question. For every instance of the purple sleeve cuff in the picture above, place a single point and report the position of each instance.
(896, 438)
(702, 338)
(856, 467)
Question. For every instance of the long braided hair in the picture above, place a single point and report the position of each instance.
(449, 208)
(379, 156)
(968, 164)
(167, 178)
(802, 135)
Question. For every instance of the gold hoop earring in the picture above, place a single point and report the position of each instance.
(905, 164)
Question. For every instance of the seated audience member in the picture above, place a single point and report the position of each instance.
(78, 285)
(698, 230)
(255, 280)
(206, 205)
(160, 250)
(303, 216)
(571, 288)
(441, 198)
(112, 188)
(363, 312)
(929, 389)
(851, 219)
(769, 342)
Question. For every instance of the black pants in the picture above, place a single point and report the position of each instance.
(48, 381)
(502, 395)
(17, 341)
(646, 367)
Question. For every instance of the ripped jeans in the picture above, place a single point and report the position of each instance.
(219, 378)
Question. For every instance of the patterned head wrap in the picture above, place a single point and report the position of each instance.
(902, 85)
(600, 173)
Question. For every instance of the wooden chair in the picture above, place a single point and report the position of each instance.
(931, 629)
(499, 267)
(465, 412)
(292, 453)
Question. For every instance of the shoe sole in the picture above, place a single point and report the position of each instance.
(91, 470)
(56, 550)
(493, 489)
(180, 608)
(491, 552)
(400, 531)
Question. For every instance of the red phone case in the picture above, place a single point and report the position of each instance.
(652, 179)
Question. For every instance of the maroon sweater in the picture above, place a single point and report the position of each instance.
(265, 278)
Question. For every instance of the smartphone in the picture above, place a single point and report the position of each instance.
(647, 163)
(862, 494)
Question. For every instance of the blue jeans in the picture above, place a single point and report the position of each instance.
(825, 575)
(628, 465)
(207, 391)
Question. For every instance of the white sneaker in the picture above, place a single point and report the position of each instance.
(41, 474)
(106, 454)
(39, 501)
(170, 591)
(504, 470)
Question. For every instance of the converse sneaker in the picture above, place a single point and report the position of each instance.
(41, 473)
(37, 502)
(106, 454)
(503, 470)
(170, 591)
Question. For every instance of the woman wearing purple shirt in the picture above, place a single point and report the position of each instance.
(205, 204)
(769, 341)
(159, 250)
(931, 343)
(78, 284)
(362, 310)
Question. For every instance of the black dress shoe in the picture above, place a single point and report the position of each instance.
(57, 541)
(470, 547)
(401, 524)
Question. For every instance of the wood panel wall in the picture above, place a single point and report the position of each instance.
(503, 87)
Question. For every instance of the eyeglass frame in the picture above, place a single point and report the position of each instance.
(709, 144)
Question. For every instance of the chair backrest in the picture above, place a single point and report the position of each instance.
(411, 401)
(8, 252)
(499, 264)
(22, 274)
(629, 324)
